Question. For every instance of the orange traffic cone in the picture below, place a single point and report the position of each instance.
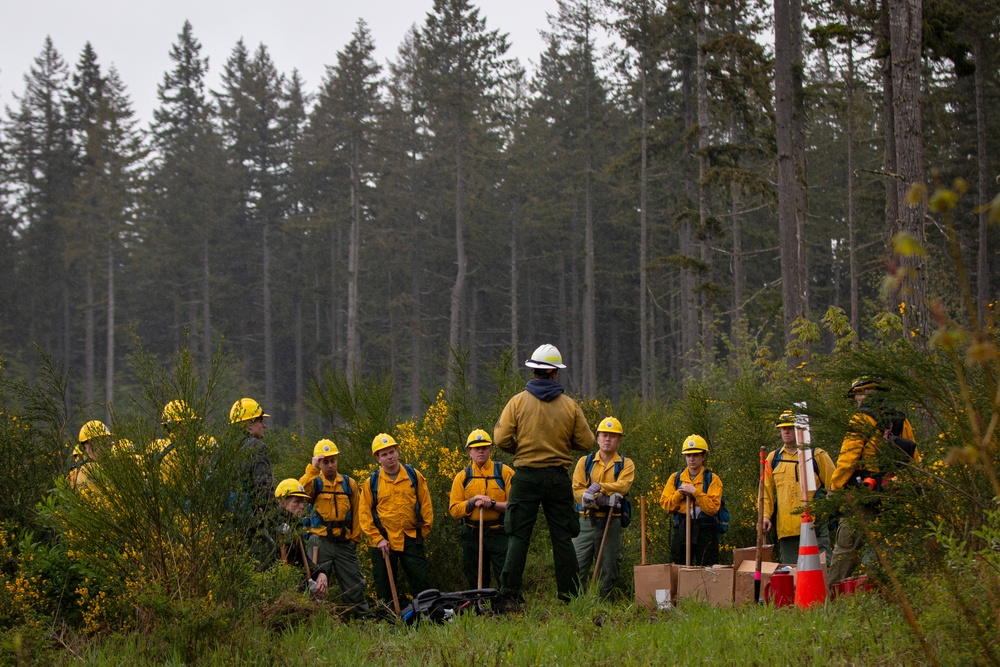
(810, 585)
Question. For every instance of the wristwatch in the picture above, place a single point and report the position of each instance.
(493, 503)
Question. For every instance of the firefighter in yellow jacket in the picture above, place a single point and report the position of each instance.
(334, 525)
(783, 492)
(94, 437)
(879, 435)
(481, 489)
(396, 514)
(601, 481)
(689, 484)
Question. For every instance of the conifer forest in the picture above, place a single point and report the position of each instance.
(665, 183)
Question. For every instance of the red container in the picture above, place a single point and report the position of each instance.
(864, 585)
(780, 589)
(845, 587)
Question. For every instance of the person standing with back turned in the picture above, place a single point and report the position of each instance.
(541, 426)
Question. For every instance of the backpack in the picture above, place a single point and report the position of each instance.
(722, 516)
(626, 508)
(314, 520)
(433, 605)
(497, 475)
(373, 485)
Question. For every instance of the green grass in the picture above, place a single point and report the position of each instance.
(859, 631)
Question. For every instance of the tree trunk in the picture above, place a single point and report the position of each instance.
(353, 245)
(268, 343)
(458, 289)
(646, 369)
(589, 336)
(982, 194)
(706, 338)
(892, 202)
(206, 307)
(905, 26)
(300, 408)
(109, 361)
(513, 286)
(785, 62)
(88, 333)
(852, 241)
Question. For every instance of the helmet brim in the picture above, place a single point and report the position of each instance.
(543, 365)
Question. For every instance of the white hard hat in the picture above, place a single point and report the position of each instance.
(546, 356)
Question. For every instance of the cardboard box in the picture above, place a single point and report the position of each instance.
(652, 582)
(750, 553)
(711, 584)
(743, 590)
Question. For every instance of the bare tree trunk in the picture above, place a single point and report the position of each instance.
(589, 381)
(513, 286)
(458, 289)
(333, 288)
(268, 342)
(799, 155)
(905, 29)
(852, 241)
(300, 408)
(88, 333)
(982, 196)
(206, 307)
(785, 61)
(688, 297)
(353, 245)
(416, 334)
(645, 370)
(892, 202)
(706, 339)
(109, 361)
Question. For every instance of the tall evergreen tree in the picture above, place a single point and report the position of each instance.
(461, 69)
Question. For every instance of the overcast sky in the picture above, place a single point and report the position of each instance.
(136, 35)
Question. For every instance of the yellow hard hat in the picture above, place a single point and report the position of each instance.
(95, 428)
(863, 383)
(244, 410)
(77, 453)
(176, 411)
(610, 425)
(545, 356)
(290, 488)
(479, 438)
(325, 447)
(786, 419)
(382, 441)
(694, 444)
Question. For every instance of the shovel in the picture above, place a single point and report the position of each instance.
(600, 551)
(480, 548)
(687, 530)
(392, 582)
(760, 525)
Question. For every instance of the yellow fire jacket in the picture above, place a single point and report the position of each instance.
(542, 434)
(781, 485)
(332, 504)
(397, 500)
(482, 483)
(672, 500)
(860, 447)
(605, 475)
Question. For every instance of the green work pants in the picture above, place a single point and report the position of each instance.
(850, 538)
(494, 554)
(340, 559)
(789, 546)
(552, 489)
(587, 545)
(412, 560)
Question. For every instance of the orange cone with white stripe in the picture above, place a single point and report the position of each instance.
(810, 584)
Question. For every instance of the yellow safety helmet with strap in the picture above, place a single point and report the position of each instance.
(863, 383)
(290, 488)
(610, 425)
(176, 411)
(95, 428)
(382, 441)
(325, 447)
(786, 419)
(694, 444)
(244, 410)
(479, 438)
